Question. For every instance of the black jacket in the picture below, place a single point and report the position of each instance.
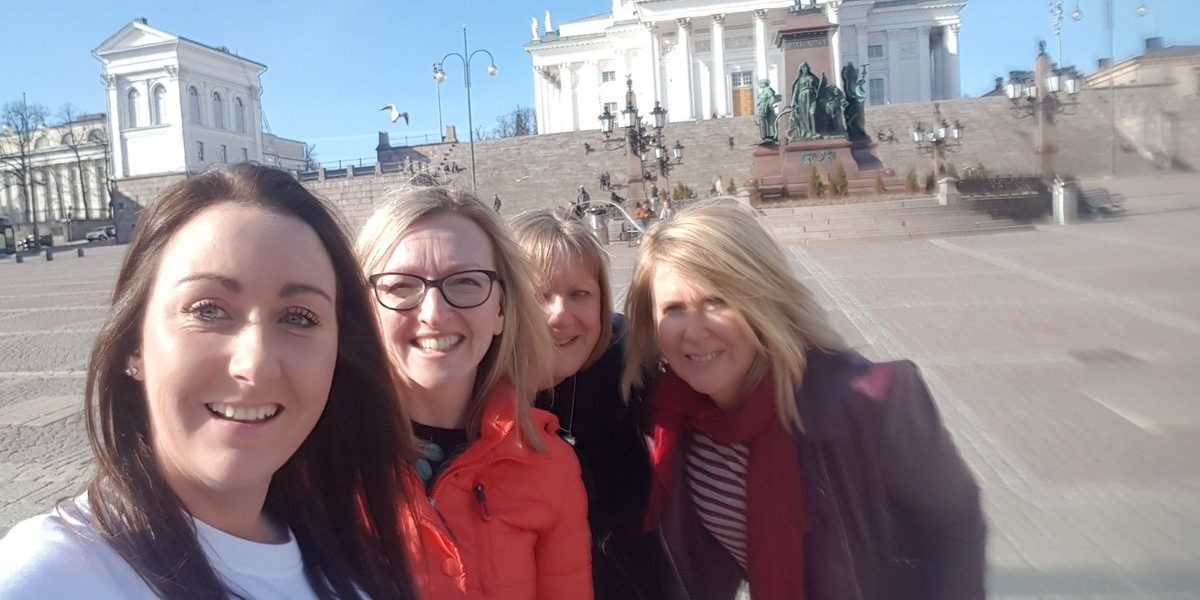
(895, 511)
(627, 563)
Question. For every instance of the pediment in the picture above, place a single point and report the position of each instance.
(134, 35)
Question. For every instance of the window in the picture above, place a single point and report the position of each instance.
(224, 154)
(239, 115)
(611, 107)
(194, 106)
(875, 51)
(157, 104)
(218, 111)
(131, 107)
(741, 79)
(200, 151)
(607, 76)
(245, 155)
(877, 92)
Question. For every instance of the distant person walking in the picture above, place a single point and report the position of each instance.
(582, 199)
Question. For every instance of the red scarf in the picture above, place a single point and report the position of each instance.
(775, 507)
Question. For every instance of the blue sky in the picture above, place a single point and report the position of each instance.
(333, 64)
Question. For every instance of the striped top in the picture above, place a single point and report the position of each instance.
(717, 480)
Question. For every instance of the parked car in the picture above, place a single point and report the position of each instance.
(100, 234)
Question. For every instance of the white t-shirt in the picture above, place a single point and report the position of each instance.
(61, 555)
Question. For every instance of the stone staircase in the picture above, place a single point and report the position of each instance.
(890, 219)
(535, 171)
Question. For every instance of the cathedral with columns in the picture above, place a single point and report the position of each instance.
(703, 58)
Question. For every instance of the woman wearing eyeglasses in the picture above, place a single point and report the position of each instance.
(506, 513)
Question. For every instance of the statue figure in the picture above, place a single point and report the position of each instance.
(548, 27)
(856, 118)
(804, 104)
(533, 27)
(830, 104)
(764, 112)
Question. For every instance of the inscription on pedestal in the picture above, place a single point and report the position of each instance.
(805, 39)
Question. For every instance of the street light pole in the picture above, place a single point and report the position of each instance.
(440, 75)
(438, 83)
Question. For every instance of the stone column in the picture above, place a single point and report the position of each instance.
(835, 43)
(538, 101)
(567, 95)
(892, 58)
(116, 147)
(923, 64)
(590, 105)
(684, 56)
(760, 46)
(659, 82)
(720, 102)
(951, 75)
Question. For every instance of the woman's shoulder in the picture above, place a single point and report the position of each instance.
(61, 555)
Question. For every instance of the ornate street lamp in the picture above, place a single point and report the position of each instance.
(440, 75)
(1048, 92)
(637, 140)
(939, 139)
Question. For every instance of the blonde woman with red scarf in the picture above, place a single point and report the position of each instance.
(781, 458)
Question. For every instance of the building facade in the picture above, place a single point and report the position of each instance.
(65, 171)
(179, 106)
(701, 58)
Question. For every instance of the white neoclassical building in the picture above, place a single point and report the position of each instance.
(178, 106)
(703, 57)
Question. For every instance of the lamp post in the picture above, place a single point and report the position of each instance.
(1042, 97)
(938, 139)
(640, 144)
(440, 75)
(1142, 10)
(437, 83)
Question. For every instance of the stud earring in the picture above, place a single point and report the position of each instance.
(131, 371)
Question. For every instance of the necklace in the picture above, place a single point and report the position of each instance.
(566, 434)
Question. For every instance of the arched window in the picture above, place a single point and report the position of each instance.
(157, 104)
(239, 115)
(133, 99)
(218, 111)
(194, 106)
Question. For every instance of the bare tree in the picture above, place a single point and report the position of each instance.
(310, 157)
(521, 121)
(75, 138)
(21, 122)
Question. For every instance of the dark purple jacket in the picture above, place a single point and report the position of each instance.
(895, 511)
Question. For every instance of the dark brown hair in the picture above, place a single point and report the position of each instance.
(339, 493)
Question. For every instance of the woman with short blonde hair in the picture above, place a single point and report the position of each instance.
(779, 456)
(576, 297)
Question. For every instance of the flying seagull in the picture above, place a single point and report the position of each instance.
(396, 114)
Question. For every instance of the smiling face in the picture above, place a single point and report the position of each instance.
(238, 348)
(700, 337)
(571, 300)
(435, 345)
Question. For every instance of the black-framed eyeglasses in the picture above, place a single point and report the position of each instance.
(404, 291)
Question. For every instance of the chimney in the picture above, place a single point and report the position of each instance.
(1103, 64)
(999, 83)
(384, 141)
(142, 20)
(1153, 44)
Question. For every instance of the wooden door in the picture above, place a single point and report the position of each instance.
(743, 101)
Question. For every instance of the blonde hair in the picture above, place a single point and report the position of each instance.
(550, 239)
(726, 252)
(523, 352)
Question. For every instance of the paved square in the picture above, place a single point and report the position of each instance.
(1063, 360)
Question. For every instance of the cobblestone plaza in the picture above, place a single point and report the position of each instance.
(1063, 360)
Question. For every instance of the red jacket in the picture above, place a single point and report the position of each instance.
(504, 521)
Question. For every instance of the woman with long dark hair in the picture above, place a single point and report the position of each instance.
(239, 405)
